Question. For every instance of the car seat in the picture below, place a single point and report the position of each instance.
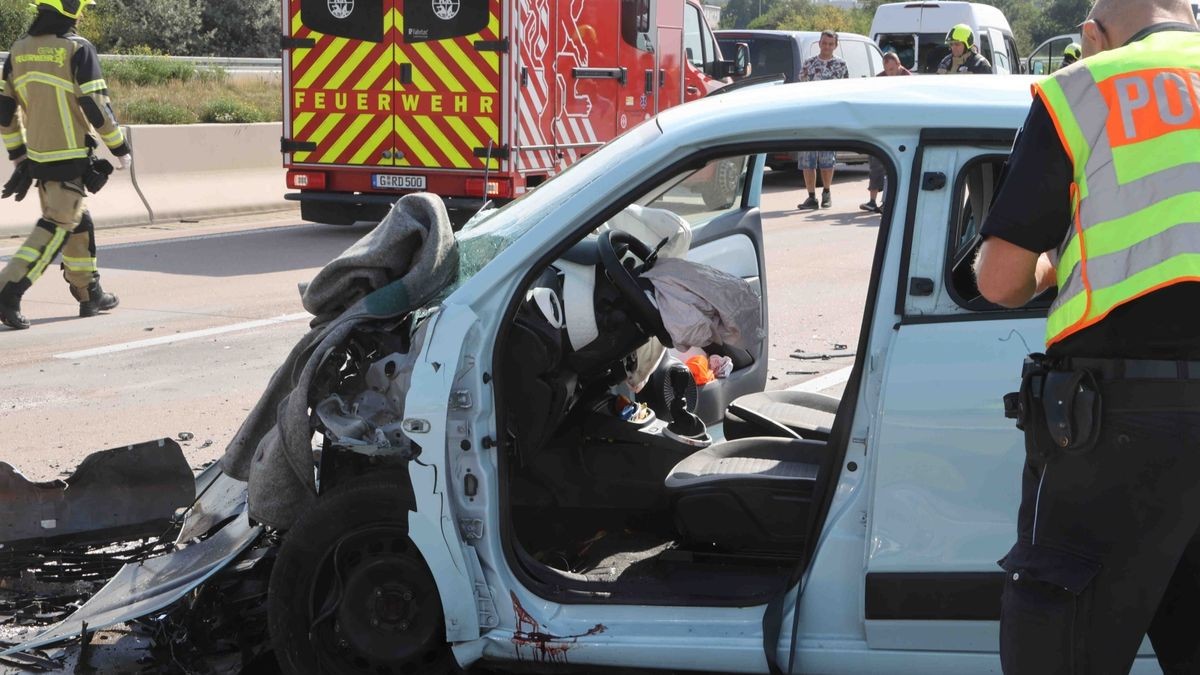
(807, 414)
(752, 493)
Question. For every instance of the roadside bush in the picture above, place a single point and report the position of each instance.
(248, 28)
(147, 71)
(15, 16)
(156, 112)
(229, 111)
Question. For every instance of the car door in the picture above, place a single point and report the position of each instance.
(729, 237)
(948, 463)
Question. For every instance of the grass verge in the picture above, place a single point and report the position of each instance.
(147, 91)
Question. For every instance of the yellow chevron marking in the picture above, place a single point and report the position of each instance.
(349, 64)
(300, 122)
(438, 69)
(481, 81)
(348, 136)
(298, 55)
(436, 133)
(327, 57)
(319, 135)
(489, 126)
(373, 74)
(414, 144)
(464, 132)
(371, 145)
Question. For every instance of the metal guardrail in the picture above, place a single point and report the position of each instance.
(231, 64)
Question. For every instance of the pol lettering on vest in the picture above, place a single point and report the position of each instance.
(1151, 103)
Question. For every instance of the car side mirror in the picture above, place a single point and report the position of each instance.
(739, 66)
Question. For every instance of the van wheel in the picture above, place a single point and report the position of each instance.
(350, 593)
(722, 191)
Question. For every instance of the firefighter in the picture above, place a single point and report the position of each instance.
(52, 77)
(1103, 177)
(963, 57)
(1071, 54)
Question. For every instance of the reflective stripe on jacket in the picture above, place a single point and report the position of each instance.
(56, 81)
(1129, 119)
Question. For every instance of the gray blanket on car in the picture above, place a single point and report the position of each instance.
(395, 268)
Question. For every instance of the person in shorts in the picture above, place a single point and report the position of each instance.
(823, 66)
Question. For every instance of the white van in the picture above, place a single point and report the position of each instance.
(916, 31)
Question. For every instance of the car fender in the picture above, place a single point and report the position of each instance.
(431, 525)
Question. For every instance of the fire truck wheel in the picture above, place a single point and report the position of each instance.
(350, 593)
(722, 191)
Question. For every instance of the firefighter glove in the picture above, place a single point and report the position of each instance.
(18, 185)
(125, 160)
(97, 175)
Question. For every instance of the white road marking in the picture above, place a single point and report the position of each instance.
(825, 381)
(180, 337)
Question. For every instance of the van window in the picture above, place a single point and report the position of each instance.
(1013, 56)
(904, 45)
(855, 55)
(985, 48)
(635, 23)
(920, 53)
(767, 56)
(441, 20)
(693, 42)
(343, 19)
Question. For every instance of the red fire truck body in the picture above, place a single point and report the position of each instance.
(472, 99)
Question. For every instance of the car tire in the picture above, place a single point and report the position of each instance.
(721, 192)
(351, 594)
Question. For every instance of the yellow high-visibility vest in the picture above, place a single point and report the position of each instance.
(1129, 119)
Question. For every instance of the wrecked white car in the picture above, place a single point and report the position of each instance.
(511, 466)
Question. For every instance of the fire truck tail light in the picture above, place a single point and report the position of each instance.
(306, 180)
(496, 187)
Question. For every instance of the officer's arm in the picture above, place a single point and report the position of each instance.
(11, 128)
(1010, 275)
(92, 93)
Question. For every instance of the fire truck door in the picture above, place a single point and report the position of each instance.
(587, 77)
(668, 53)
(535, 127)
(639, 94)
(339, 66)
(448, 93)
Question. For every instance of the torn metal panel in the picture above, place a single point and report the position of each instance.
(151, 585)
(221, 497)
(122, 492)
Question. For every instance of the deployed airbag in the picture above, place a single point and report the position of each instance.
(702, 305)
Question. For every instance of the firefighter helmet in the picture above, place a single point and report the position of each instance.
(961, 33)
(1072, 53)
(72, 9)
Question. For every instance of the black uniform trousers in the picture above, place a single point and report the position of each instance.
(1108, 549)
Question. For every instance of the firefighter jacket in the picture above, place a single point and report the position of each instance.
(1129, 119)
(55, 81)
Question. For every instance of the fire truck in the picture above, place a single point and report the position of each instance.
(473, 99)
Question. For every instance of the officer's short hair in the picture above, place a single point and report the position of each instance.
(830, 33)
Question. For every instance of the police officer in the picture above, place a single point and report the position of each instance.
(1072, 53)
(1104, 177)
(963, 58)
(53, 76)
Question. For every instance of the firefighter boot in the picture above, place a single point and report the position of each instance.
(10, 308)
(94, 299)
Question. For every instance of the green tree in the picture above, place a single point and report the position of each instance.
(740, 13)
(174, 28)
(241, 27)
(15, 16)
(1061, 16)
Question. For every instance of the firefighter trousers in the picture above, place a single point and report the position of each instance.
(65, 225)
(1108, 547)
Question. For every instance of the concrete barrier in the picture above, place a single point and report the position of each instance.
(179, 172)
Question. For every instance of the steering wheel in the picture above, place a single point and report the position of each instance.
(645, 314)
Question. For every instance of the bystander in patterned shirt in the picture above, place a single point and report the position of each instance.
(815, 70)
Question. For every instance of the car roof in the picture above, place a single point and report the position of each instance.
(793, 34)
(858, 107)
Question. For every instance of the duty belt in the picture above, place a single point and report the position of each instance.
(1134, 369)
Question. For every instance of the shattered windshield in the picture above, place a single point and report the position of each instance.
(492, 230)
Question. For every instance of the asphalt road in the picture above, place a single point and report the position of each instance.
(209, 309)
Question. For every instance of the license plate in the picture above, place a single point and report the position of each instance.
(391, 181)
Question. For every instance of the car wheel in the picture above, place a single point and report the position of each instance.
(350, 593)
(722, 191)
